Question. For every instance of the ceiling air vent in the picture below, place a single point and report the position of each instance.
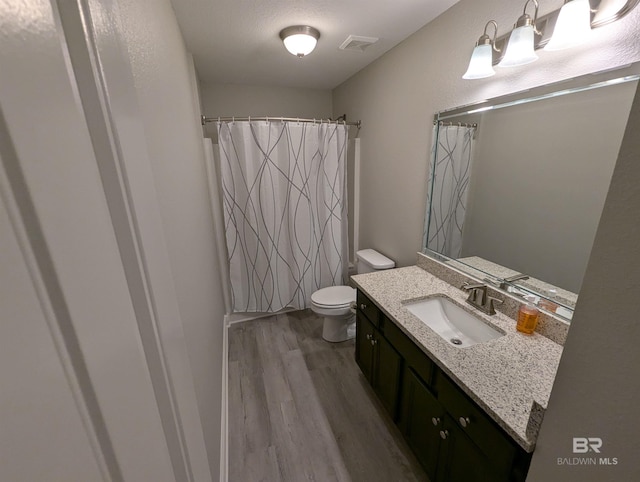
(358, 43)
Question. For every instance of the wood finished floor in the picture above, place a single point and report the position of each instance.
(300, 409)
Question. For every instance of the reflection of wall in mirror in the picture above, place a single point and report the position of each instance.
(539, 182)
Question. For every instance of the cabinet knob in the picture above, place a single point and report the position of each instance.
(363, 306)
(464, 421)
(435, 420)
(374, 342)
(369, 336)
(444, 434)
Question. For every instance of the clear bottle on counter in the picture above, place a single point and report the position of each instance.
(528, 317)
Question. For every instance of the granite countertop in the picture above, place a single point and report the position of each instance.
(503, 376)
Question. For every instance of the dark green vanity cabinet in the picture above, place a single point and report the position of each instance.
(379, 361)
(451, 436)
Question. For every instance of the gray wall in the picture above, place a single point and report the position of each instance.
(597, 387)
(77, 394)
(540, 174)
(167, 97)
(397, 95)
(226, 100)
(111, 183)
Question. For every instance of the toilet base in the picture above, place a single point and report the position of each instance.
(339, 328)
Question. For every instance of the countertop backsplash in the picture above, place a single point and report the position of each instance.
(549, 326)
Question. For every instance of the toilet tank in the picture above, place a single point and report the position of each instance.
(369, 260)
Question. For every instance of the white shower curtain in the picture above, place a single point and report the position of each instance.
(449, 178)
(285, 210)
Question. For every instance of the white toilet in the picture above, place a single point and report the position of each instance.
(335, 302)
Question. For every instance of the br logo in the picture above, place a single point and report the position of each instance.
(582, 445)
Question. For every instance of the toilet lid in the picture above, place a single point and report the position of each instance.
(334, 296)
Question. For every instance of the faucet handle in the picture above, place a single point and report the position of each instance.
(491, 301)
(475, 289)
(517, 277)
(472, 286)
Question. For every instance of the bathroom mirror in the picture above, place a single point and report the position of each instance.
(517, 184)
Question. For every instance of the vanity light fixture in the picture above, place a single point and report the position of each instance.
(300, 40)
(573, 25)
(481, 63)
(521, 47)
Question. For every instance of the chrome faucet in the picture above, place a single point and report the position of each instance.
(479, 298)
(517, 277)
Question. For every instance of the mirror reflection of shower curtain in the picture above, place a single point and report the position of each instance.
(449, 178)
(285, 209)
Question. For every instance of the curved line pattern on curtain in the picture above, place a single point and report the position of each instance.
(285, 208)
(448, 187)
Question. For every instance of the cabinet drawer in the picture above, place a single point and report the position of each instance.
(414, 357)
(489, 438)
(368, 308)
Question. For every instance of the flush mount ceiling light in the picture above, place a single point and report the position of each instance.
(573, 25)
(520, 49)
(481, 63)
(300, 40)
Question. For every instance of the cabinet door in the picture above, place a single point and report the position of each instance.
(364, 345)
(421, 420)
(476, 425)
(461, 460)
(386, 374)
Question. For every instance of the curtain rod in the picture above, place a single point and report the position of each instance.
(459, 124)
(205, 120)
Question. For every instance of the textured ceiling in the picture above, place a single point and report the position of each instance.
(236, 41)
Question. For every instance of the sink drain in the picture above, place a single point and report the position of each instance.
(456, 341)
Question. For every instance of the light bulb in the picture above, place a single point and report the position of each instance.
(520, 50)
(300, 44)
(572, 27)
(481, 63)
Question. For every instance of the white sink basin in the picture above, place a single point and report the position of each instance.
(454, 324)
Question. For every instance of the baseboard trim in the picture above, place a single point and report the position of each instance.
(234, 318)
(224, 415)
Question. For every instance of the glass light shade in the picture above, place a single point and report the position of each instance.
(481, 63)
(520, 49)
(572, 27)
(300, 44)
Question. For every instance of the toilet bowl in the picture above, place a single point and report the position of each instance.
(337, 303)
